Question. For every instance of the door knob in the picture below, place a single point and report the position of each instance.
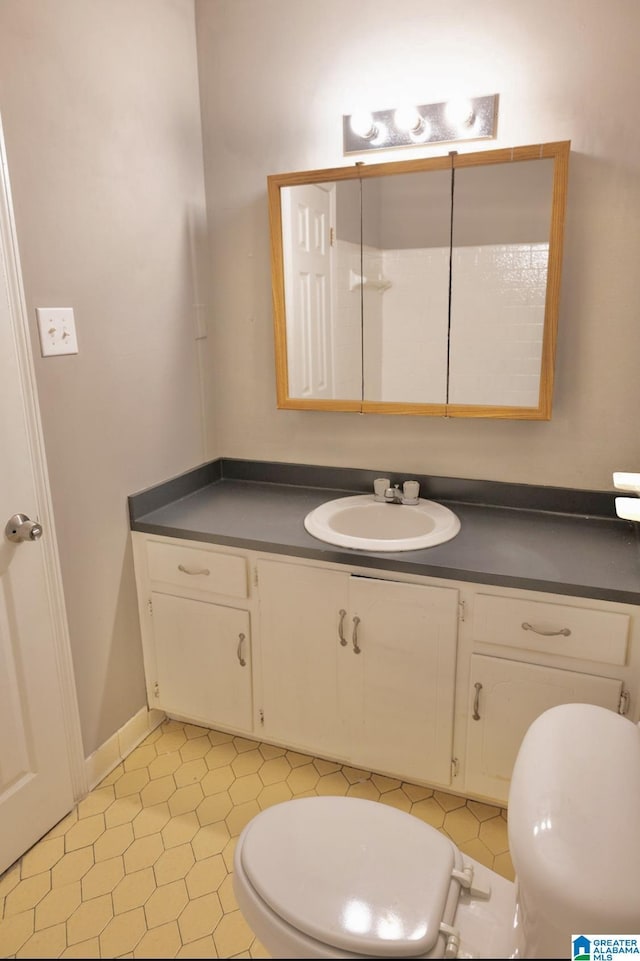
(20, 528)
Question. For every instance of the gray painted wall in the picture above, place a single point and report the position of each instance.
(563, 71)
(100, 108)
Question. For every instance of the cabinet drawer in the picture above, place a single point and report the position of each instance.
(196, 569)
(583, 633)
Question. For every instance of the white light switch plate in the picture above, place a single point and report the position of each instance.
(57, 330)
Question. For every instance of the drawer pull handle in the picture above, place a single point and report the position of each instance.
(354, 637)
(343, 639)
(476, 701)
(239, 651)
(564, 631)
(186, 570)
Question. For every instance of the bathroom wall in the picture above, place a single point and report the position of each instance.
(276, 76)
(99, 103)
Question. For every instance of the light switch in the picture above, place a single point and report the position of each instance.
(57, 330)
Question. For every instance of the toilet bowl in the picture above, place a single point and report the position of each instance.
(342, 877)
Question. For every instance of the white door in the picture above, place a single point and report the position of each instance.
(401, 705)
(505, 699)
(306, 228)
(302, 620)
(203, 661)
(39, 734)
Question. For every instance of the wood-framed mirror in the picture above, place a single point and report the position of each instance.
(426, 287)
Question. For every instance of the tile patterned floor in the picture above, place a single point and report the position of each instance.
(142, 867)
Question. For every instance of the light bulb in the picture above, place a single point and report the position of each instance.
(363, 125)
(423, 133)
(408, 119)
(379, 136)
(460, 113)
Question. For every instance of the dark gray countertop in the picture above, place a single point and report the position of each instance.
(583, 550)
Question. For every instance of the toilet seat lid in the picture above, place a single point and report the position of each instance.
(354, 874)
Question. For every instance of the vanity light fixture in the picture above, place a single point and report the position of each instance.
(458, 119)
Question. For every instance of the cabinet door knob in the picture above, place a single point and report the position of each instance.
(564, 631)
(354, 636)
(239, 651)
(343, 639)
(476, 701)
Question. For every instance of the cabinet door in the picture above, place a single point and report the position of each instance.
(400, 702)
(203, 661)
(510, 696)
(299, 637)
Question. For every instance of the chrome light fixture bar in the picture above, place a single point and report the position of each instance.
(461, 119)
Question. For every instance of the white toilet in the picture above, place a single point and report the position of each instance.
(336, 877)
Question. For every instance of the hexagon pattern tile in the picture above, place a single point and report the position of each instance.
(142, 867)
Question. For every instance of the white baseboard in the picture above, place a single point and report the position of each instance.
(120, 744)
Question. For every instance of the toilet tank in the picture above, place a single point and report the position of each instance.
(574, 828)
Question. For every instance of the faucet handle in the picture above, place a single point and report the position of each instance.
(410, 492)
(380, 485)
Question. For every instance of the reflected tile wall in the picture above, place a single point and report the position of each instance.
(497, 323)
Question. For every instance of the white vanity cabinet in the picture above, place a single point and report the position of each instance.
(359, 668)
(419, 678)
(196, 629)
(506, 693)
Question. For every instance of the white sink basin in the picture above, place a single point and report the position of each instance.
(362, 523)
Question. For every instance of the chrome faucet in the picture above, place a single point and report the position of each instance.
(393, 495)
(384, 492)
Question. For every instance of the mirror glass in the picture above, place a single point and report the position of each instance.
(406, 227)
(500, 255)
(420, 287)
(321, 244)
